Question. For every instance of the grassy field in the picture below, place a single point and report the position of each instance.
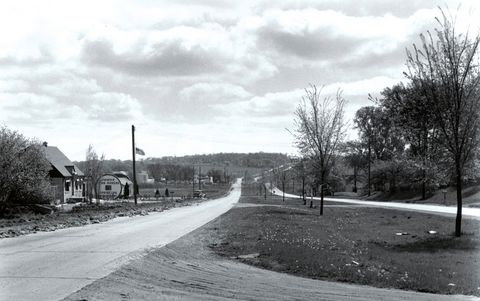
(185, 190)
(354, 244)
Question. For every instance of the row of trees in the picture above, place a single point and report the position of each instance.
(242, 160)
(421, 133)
(176, 172)
(170, 172)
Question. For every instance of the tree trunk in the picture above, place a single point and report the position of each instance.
(355, 179)
(322, 183)
(458, 220)
(311, 198)
(321, 201)
(424, 157)
(303, 191)
(424, 189)
(369, 162)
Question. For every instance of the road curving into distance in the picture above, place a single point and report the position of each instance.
(52, 265)
(428, 208)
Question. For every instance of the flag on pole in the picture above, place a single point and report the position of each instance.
(139, 151)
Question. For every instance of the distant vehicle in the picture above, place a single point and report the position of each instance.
(198, 194)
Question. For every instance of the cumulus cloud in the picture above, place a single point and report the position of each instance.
(270, 105)
(199, 67)
(162, 59)
(213, 93)
(13, 85)
(116, 107)
(30, 108)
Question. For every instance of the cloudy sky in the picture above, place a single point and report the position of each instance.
(195, 76)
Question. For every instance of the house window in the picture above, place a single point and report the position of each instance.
(67, 186)
(108, 187)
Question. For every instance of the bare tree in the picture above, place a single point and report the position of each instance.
(445, 67)
(283, 179)
(320, 128)
(93, 170)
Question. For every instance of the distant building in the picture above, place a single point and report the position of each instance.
(67, 180)
(203, 179)
(144, 178)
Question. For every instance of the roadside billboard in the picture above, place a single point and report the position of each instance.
(109, 187)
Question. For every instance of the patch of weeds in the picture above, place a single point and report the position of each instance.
(437, 244)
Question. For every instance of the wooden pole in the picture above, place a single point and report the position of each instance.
(133, 161)
(199, 179)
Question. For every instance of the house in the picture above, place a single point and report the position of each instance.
(67, 180)
(204, 179)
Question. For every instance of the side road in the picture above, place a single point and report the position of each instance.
(466, 211)
(188, 269)
(52, 265)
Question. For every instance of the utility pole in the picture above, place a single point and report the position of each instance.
(193, 180)
(369, 164)
(133, 161)
(199, 177)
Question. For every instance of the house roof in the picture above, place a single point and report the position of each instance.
(61, 163)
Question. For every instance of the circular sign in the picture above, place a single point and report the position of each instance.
(109, 187)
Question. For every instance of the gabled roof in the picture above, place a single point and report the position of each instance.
(61, 163)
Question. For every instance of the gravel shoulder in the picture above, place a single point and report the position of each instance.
(24, 221)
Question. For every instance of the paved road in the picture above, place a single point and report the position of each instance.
(466, 211)
(52, 265)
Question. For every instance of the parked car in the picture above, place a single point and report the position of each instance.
(198, 194)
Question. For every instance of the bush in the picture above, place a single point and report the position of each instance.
(24, 170)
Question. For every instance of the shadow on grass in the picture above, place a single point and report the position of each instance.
(289, 212)
(436, 244)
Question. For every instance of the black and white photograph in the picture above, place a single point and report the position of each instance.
(239, 150)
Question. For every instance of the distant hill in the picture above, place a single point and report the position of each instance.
(256, 160)
(236, 163)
